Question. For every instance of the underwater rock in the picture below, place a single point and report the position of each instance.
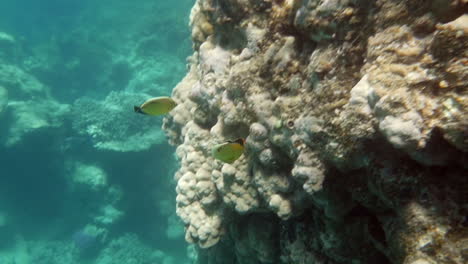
(8, 49)
(21, 84)
(29, 116)
(94, 198)
(89, 241)
(89, 175)
(108, 215)
(347, 106)
(27, 105)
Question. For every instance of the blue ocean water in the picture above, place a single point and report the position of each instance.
(83, 179)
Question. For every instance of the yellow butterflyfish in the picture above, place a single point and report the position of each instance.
(229, 151)
(156, 106)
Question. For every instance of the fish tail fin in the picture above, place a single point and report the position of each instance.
(137, 109)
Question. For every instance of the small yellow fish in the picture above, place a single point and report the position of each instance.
(229, 151)
(156, 106)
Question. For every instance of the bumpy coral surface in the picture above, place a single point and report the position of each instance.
(112, 124)
(355, 119)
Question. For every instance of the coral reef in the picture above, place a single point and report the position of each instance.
(52, 252)
(355, 115)
(26, 104)
(78, 164)
(129, 248)
(112, 125)
(8, 48)
(90, 183)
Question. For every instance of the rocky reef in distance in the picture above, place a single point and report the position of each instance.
(355, 119)
(83, 178)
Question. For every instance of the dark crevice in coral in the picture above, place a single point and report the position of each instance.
(380, 258)
(288, 230)
(223, 250)
(424, 25)
(205, 116)
(381, 148)
(267, 231)
(261, 6)
(229, 11)
(231, 37)
(355, 245)
(418, 7)
(448, 10)
(438, 152)
(376, 230)
(303, 46)
(444, 48)
(236, 131)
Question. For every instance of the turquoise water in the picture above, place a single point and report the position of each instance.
(83, 179)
